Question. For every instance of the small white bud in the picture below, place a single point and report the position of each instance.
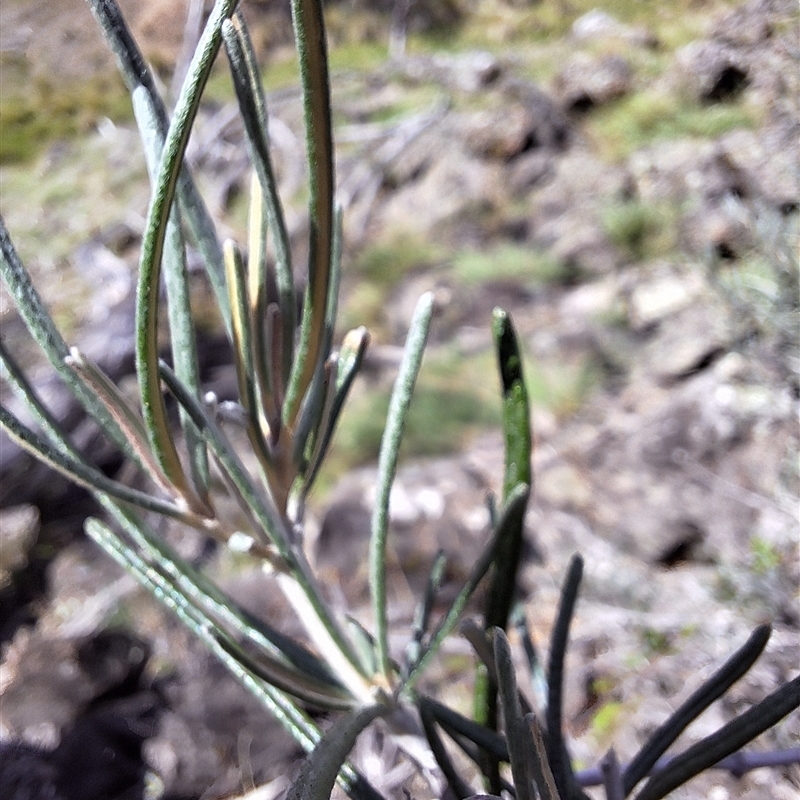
(240, 542)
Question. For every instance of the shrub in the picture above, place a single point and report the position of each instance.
(292, 387)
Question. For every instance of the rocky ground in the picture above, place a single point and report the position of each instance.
(627, 186)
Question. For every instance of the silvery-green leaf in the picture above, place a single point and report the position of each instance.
(399, 404)
(153, 241)
(309, 27)
(182, 338)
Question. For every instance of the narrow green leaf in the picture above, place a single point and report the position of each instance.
(182, 338)
(322, 405)
(84, 475)
(503, 581)
(537, 759)
(517, 433)
(266, 325)
(324, 427)
(365, 645)
(244, 359)
(536, 674)
(309, 27)
(336, 265)
(516, 412)
(253, 107)
(332, 303)
(44, 332)
(612, 777)
(481, 642)
(456, 724)
(153, 241)
(457, 785)
(348, 363)
(122, 413)
(422, 613)
(318, 774)
(320, 394)
(275, 349)
(399, 404)
(268, 350)
(326, 411)
(291, 680)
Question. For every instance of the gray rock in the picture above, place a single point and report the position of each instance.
(463, 72)
(768, 159)
(597, 25)
(669, 171)
(723, 230)
(501, 134)
(711, 72)
(690, 340)
(453, 187)
(529, 170)
(752, 23)
(49, 682)
(550, 128)
(587, 82)
(19, 527)
(215, 733)
(651, 301)
(566, 213)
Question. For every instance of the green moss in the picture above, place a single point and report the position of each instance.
(403, 101)
(656, 642)
(607, 719)
(363, 304)
(494, 24)
(642, 229)
(453, 400)
(33, 114)
(561, 387)
(445, 410)
(357, 55)
(507, 262)
(765, 557)
(388, 261)
(645, 117)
